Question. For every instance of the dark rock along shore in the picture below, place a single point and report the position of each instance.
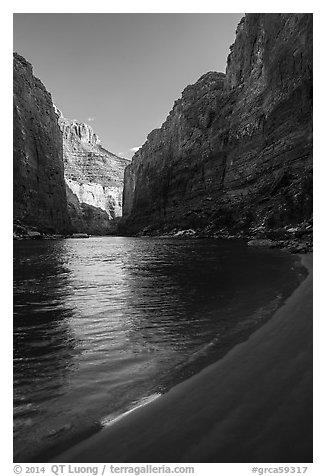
(234, 155)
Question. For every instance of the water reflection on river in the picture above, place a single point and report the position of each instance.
(100, 323)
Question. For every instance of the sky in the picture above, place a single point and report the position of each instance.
(121, 72)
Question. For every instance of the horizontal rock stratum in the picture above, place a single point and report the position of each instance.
(94, 178)
(236, 149)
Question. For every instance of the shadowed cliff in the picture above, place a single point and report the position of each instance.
(236, 149)
(39, 188)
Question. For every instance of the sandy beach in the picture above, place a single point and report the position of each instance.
(253, 405)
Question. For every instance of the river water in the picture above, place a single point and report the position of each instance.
(102, 324)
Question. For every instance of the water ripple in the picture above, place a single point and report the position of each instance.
(100, 324)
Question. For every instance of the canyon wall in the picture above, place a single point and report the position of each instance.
(94, 179)
(236, 149)
(39, 194)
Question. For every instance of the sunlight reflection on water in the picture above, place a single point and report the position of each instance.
(101, 323)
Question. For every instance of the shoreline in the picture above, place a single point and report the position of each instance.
(262, 414)
(204, 358)
(295, 239)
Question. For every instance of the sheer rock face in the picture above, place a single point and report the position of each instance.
(94, 178)
(39, 187)
(236, 149)
(87, 218)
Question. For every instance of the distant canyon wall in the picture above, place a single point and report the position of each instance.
(236, 149)
(94, 179)
(39, 194)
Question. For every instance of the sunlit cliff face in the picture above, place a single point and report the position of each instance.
(93, 176)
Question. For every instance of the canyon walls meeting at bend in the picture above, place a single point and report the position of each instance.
(236, 149)
(65, 181)
(234, 152)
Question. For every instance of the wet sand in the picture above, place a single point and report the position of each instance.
(253, 405)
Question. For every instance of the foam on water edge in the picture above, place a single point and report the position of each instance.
(112, 418)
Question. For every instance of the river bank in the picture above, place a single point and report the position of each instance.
(253, 405)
